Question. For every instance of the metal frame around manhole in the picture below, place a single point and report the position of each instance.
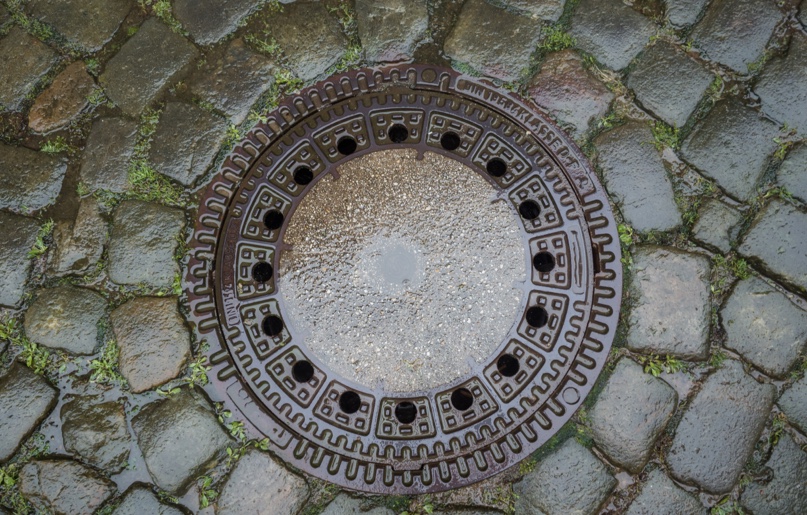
(528, 388)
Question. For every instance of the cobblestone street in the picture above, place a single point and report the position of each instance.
(116, 115)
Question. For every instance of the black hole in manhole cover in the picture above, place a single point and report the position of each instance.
(349, 402)
(398, 133)
(496, 167)
(406, 412)
(346, 145)
(272, 305)
(450, 141)
(507, 365)
(529, 209)
(543, 262)
(262, 271)
(302, 371)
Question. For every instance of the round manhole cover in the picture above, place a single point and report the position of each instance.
(408, 280)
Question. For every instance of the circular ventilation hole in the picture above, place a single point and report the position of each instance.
(462, 399)
(544, 262)
(303, 175)
(349, 402)
(302, 371)
(496, 167)
(406, 412)
(529, 209)
(262, 271)
(537, 316)
(450, 141)
(346, 145)
(273, 220)
(508, 365)
(398, 133)
(272, 325)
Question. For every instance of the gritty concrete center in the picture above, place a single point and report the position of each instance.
(403, 271)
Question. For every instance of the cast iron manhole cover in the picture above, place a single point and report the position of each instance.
(408, 280)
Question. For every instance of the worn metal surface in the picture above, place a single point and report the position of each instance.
(432, 439)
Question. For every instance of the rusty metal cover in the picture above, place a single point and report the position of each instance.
(434, 439)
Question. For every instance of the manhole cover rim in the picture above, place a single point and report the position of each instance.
(225, 386)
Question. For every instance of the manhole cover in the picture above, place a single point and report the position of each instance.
(408, 280)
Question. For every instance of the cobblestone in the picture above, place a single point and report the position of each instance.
(718, 225)
(149, 61)
(25, 400)
(345, 505)
(791, 174)
(684, 12)
(24, 60)
(154, 344)
(786, 492)
(776, 240)
(89, 24)
(570, 92)
(764, 326)
(670, 314)
(66, 318)
(794, 404)
(29, 180)
(140, 500)
(636, 179)
(548, 10)
(611, 31)
(783, 85)
(660, 496)
(669, 83)
(78, 245)
(19, 236)
(63, 100)
(96, 431)
(105, 161)
(631, 412)
(493, 41)
(64, 487)
(256, 482)
(570, 480)
(205, 27)
(718, 432)
(731, 145)
(391, 30)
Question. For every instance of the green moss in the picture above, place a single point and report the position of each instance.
(665, 136)
(105, 368)
(42, 237)
(555, 39)
(56, 146)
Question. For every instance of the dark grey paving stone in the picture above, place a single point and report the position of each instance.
(764, 326)
(684, 12)
(140, 500)
(346, 505)
(142, 243)
(735, 32)
(670, 314)
(310, 37)
(390, 30)
(492, 40)
(186, 141)
(19, 235)
(570, 480)
(25, 400)
(89, 24)
(547, 10)
(792, 174)
(146, 63)
(105, 161)
(717, 225)
(78, 245)
(208, 21)
(569, 92)
(636, 179)
(717, 434)
(63, 100)
(783, 85)
(23, 61)
(154, 343)
(96, 431)
(776, 242)
(233, 80)
(610, 31)
(64, 487)
(660, 496)
(179, 437)
(794, 404)
(257, 482)
(786, 492)
(66, 318)
(29, 180)
(631, 412)
(731, 145)
(669, 83)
